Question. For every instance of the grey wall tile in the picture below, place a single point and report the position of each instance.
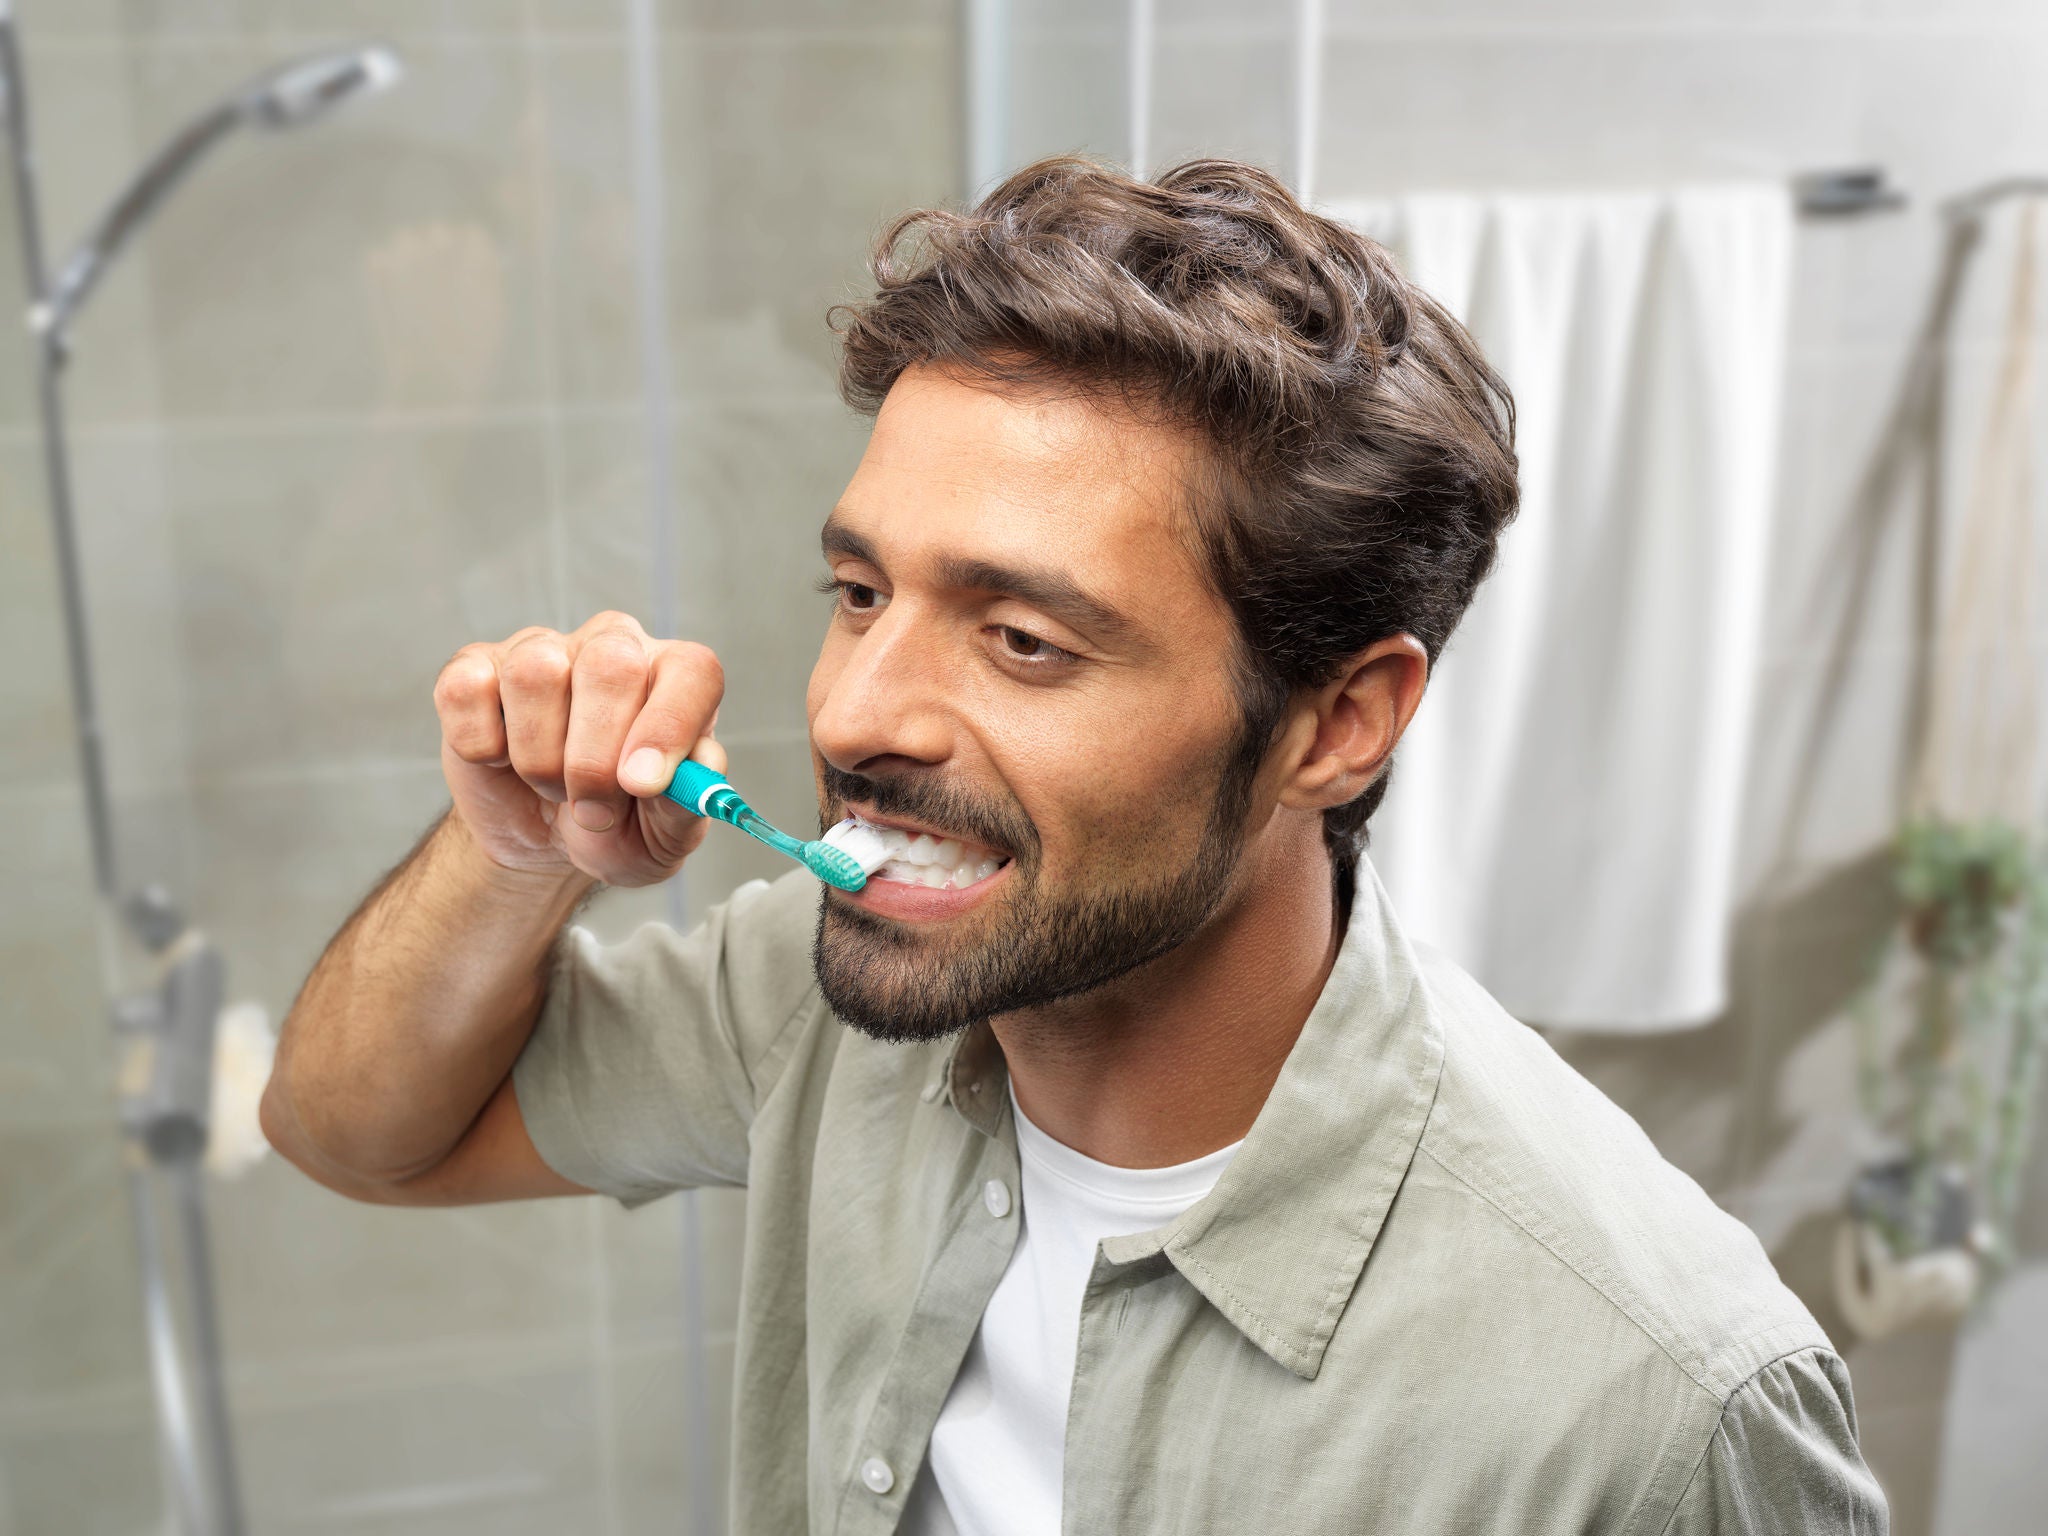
(755, 482)
(1365, 16)
(408, 285)
(327, 576)
(69, 19)
(555, 18)
(48, 1460)
(1852, 804)
(496, 1449)
(283, 863)
(1998, 1415)
(806, 15)
(131, 601)
(1506, 109)
(1194, 75)
(70, 1298)
(1068, 91)
(36, 734)
(1820, 941)
(762, 482)
(288, 21)
(654, 1494)
(797, 152)
(1943, 110)
(643, 1266)
(1903, 1447)
(315, 1287)
(56, 1060)
(593, 221)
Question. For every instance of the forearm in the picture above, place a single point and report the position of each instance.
(416, 1012)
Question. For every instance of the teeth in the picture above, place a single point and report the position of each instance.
(921, 859)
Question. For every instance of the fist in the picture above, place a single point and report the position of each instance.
(557, 747)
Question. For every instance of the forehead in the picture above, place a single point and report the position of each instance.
(957, 470)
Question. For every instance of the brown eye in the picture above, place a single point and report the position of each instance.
(1021, 643)
(859, 598)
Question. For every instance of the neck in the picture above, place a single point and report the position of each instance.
(1175, 1060)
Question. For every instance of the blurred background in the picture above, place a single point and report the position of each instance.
(532, 324)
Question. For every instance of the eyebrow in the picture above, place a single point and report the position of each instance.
(1040, 586)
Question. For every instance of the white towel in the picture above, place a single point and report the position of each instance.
(1563, 816)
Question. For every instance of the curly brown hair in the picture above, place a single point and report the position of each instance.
(1363, 461)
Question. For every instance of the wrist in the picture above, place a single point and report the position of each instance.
(483, 878)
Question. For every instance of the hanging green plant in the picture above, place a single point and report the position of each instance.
(1951, 1034)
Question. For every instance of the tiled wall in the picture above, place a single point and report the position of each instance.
(373, 390)
(361, 394)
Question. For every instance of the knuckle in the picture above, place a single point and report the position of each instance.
(537, 663)
(700, 663)
(466, 680)
(589, 772)
(475, 746)
(612, 658)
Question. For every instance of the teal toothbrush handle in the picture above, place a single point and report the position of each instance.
(695, 788)
(703, 791)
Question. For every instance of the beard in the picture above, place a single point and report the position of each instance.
(1037, 944)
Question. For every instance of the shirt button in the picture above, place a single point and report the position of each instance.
(995, 1194)
(876, 1474)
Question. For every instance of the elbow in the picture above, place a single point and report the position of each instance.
(274, 1116)
(286, 1131)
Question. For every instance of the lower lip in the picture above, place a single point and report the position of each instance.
(923, 903)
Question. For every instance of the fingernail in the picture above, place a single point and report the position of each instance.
(645, 767)
(592, 815)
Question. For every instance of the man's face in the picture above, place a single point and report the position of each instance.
(1024, 658)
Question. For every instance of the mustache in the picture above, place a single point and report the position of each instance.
(939, 803)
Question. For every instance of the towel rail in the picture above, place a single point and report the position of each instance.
(1843, 193)
(1978, 201)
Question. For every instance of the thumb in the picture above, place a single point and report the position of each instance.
(647, 771)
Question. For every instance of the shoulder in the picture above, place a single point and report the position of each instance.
(1531, 1142)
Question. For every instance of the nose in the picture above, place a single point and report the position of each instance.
(881, 698)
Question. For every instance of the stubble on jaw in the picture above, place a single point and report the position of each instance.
(892, 983)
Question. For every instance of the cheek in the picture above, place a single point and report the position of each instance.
(1128, 783)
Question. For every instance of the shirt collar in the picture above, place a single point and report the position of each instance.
(1278, 1245)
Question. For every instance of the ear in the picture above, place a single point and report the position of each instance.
(1342, 735)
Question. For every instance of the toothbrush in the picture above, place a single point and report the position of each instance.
(844, 857)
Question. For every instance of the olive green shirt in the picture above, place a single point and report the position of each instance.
(1444, 1286)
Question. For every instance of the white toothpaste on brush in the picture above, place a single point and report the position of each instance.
(912, 858)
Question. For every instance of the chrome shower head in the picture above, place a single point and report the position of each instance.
(299, 92)
(284, 97)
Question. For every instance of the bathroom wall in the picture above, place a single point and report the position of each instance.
(375, 389)
(361, 394)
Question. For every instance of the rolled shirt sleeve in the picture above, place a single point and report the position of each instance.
(1784, 1458)
(650, 1057)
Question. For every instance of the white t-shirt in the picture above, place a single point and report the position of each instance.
(999, 1446)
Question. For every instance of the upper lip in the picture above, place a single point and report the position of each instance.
(905, 824)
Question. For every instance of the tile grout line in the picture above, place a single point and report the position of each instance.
(369, 423)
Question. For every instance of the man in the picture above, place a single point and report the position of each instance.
(1115, 1163)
